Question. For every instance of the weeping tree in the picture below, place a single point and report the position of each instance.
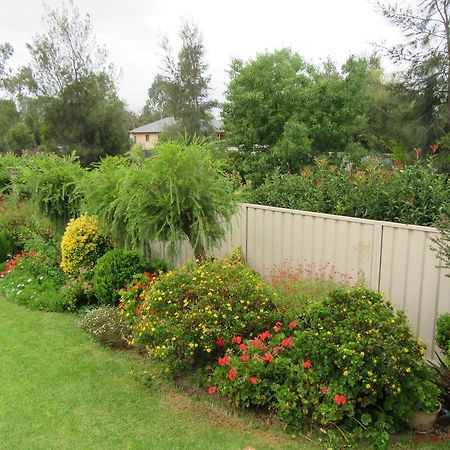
(179, 193)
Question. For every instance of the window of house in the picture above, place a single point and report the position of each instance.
(147, 138)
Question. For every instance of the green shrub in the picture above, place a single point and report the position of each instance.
(18, 219)
(52, 183)
(443, 333)
(113, 271)
(104, 325)
(9, 164)
(416, 194)
(350, 362)
(187, 314)
(78, 292)
(6, 245)
(82, 245)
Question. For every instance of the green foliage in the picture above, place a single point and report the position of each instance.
(19, 138)
(78, 292)
(8, 117)
(416, 194)
(103, 324)
(8, 166)
(82, 245)
(350, 362)
(18, 219)
(443, 333)
(89, 117)
(182, 90)
(6, 246)
(180, 192)
(113, 271)
(52, 183)
(187, 313)
(442, 243)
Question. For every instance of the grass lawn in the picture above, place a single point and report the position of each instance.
(60, 390)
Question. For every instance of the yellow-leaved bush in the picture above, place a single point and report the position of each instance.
(82, 244)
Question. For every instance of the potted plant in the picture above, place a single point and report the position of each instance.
(422, 420)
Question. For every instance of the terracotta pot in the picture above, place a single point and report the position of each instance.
(422, 422)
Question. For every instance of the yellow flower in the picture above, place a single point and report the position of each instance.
(408, 369)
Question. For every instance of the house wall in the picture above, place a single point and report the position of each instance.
(393, 258)
(141, 140)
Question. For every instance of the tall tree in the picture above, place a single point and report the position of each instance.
(426, 51)
(66, 52)
(182, 89)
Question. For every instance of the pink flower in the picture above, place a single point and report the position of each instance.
(268, 357)
(232, 374)
(253, 380)
(242, 347)
(244, 357)
(292, 324)
(307, 364)
(324, 390)
(212, 390)
(277, 350)
(220, 342)
(256, 343)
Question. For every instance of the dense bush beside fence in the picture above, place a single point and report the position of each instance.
(416, 194)
(349, 361)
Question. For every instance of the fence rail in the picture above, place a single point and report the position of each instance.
(395, 259)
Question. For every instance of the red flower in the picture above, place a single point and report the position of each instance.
(232, 374)
(324, 390)
(307, 364)
(212, 390)
(236, 340)
(220, 342)
(279, 323)
(256, 343)
(224, 361)
(264, 348)
(287, 342)
(253, 380)
(340, 399)
(268, 357)
(292, 324)
(244, 357)
(277, 350)
(265, 335)
(242, 347)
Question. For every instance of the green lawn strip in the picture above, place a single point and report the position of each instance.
(59, 389)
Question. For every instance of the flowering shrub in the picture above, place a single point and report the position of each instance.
(350, 361)
(104, 325)
(82, 244)
(188, 314)
(305, 283)
(12, 263)
(112, 271)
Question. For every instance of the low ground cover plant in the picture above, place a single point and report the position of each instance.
(349, 362)
(187, 314)
(103, 324)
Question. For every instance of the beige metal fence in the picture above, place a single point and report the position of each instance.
(393, 258)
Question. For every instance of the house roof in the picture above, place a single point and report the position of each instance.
(162, 124)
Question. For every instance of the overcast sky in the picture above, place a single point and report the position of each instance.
(131, 30)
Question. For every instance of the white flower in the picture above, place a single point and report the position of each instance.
(29, 280)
